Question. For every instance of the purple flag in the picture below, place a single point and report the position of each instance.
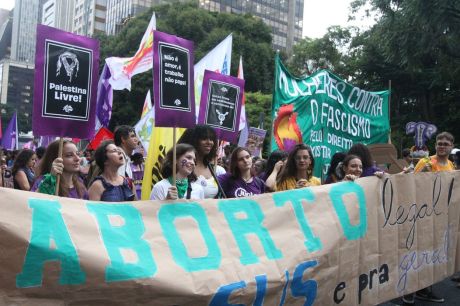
(173, 81)
(10, 137)
(65, 86)
(104, 99)
(220, 105)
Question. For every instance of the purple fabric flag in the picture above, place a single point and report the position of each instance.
(173, 81)
(65, 85)
(104, 99)
(10, 137)
(220, 105)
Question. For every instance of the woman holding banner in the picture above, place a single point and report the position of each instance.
(110, 186)
(350, 168)
(68, 167)
(203, 138)
(186, 186)
(240, 182)
(23, 169)
(298, 170)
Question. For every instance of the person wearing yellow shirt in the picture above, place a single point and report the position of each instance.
(436, 163)
(298, 170)
(440, 161)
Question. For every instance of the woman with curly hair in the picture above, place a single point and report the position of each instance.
(23, 169)
(203, 138)
(298, 170)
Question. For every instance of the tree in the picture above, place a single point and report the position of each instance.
(251, 39)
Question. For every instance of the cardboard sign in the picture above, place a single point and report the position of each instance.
(66, 67)
(350, 243)
(220, 105)
(173, 81)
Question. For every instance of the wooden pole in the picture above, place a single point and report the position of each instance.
(174, 157)
(389, 110)
(58, 176)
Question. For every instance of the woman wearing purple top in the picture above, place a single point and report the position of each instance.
(240, 182)
(364, 154)
(71, 185)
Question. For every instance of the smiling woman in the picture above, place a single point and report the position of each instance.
(185, 186)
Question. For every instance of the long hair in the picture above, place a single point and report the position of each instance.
(234, 170)
(167, 165)
(290, 168)
(274, 157)
(193, 136)
(336, 159)
(51, 153)
(363, 153)
(21, 160)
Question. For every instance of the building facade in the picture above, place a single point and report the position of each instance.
(25, 18)
(16, 90)
(58, 14)
(284, 17)
(89, 17)
(120, 11)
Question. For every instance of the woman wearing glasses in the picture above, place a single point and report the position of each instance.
(298, 170)
(110, 186)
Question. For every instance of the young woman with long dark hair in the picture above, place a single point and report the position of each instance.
(23, 169)
(298, 169)
(240, 182)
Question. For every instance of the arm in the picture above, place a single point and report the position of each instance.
(22, 181)
(271, 180)
(95, 191)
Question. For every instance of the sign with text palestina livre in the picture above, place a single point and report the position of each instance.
(327, 113)
(349, 243)
(173, 81)
(220, 105)
(65, 86)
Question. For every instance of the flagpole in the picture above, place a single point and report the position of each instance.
(58, 176)
(389, 108)
(174, 157)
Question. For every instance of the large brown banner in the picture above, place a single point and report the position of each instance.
(352, 243)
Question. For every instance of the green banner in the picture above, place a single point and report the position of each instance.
(327, 113)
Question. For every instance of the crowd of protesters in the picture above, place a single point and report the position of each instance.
(114, 171)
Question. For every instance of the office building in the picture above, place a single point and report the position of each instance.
(16, 90)
(89, 17)
(120, 11)
(284, 17)
(25, 18)
(58, 14)
(6, 27)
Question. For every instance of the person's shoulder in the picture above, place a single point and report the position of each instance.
(224, 176)
(220, 170)
(315, 181)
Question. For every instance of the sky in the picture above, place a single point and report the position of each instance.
(318, 15)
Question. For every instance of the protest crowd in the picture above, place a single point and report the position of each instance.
(206, 161)
(107, 173)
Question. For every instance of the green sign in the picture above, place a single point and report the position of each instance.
(327, 113)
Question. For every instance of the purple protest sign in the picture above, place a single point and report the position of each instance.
(255, 140)
(173, 81)
(65, 86)
(220, 105)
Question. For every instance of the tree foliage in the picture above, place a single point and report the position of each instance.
(251, 40)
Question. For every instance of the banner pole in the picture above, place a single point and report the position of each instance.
(58, 176)
(174, 157)
(389, 109)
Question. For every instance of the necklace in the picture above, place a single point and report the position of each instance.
(247, 180)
